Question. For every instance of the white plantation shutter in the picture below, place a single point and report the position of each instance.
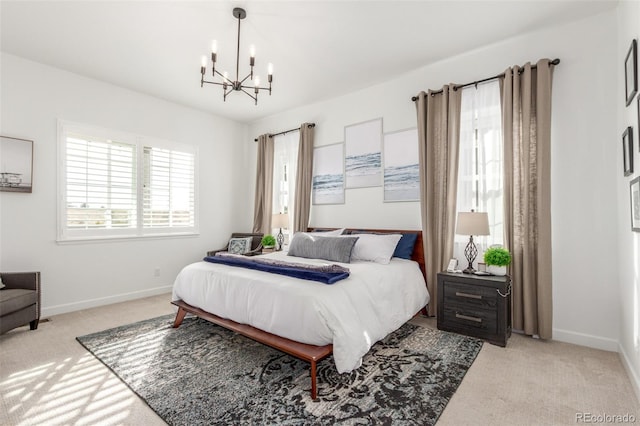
(115, 185)
(100, 184)
(168, 195)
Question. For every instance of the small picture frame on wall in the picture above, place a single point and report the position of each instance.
(635, 204)
(16, 164)
(631, 72)
(627, 151)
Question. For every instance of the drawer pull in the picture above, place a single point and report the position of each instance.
(467, 317)
(468, 295)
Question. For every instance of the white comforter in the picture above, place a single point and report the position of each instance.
(352, 314)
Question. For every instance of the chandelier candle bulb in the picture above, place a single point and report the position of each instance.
(214, 46)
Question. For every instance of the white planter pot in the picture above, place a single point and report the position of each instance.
(497, 270)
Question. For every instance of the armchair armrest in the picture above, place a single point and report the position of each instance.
(213, 252)
(24, 280)
(256, 251)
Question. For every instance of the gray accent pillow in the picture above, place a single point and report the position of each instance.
(335, 249)
(240, 245)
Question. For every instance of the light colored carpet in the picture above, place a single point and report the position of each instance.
(46, 377)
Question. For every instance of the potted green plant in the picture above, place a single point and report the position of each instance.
(497, 260)
(268, 241)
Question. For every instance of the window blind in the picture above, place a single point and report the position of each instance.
(168, 195)
(100, 184)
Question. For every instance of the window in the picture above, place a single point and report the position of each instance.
(168, 189)
(481, 162)
(285, 162)
(114, 184)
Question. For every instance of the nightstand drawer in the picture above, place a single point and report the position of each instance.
(481, 319)
(473, 297)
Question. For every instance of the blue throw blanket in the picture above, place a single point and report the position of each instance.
(327, 274)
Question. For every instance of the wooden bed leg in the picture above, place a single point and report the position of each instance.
(179, 317)
(314, 391)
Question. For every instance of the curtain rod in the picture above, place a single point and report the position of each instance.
(475, 83)
(287, 131)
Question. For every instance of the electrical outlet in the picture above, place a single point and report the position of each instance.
(156, 272)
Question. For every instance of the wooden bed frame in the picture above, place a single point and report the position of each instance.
(310, 353)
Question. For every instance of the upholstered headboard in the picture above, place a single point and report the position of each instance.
(418, 249)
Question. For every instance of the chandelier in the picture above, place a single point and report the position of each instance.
(229, 85)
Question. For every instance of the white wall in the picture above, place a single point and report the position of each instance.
(76, 276)
(583, 170)
(628, 242)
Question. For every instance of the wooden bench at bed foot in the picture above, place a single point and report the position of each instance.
(310, 353)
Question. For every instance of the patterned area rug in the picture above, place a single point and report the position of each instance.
(202, 374)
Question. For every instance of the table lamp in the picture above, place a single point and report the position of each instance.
(280, 220)
(472, 223)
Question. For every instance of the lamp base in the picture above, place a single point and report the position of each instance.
(280, 240)
(470, 252)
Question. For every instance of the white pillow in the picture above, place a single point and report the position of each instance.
(375, 247)
(1, 285)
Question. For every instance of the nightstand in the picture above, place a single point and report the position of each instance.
(478, 306)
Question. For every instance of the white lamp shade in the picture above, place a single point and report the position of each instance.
(280, 220)
(472, 223)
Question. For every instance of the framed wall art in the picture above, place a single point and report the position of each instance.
(631, 72)
(363, 154)
(328, 175)
(635, 204)
(16, 164)
(401, 172)
(627, 151)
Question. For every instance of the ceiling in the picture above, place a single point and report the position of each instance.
(320, 49)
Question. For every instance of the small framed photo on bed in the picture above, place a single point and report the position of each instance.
(631, 72)
(635, 204)
(627, 151)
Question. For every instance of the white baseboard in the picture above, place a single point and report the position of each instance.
(92, 303)
(588, 340)
(633, 375)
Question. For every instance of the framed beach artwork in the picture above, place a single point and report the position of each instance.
(401, 173)
(16, 164)
(328, 175)
(363, 154)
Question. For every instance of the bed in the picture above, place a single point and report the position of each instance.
(308, 319)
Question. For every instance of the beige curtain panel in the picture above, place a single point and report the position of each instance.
(263, 205)
(526, 121)
(439, 139)
(304, 177)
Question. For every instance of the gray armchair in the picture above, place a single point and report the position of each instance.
(19, 300)
(256, 243)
